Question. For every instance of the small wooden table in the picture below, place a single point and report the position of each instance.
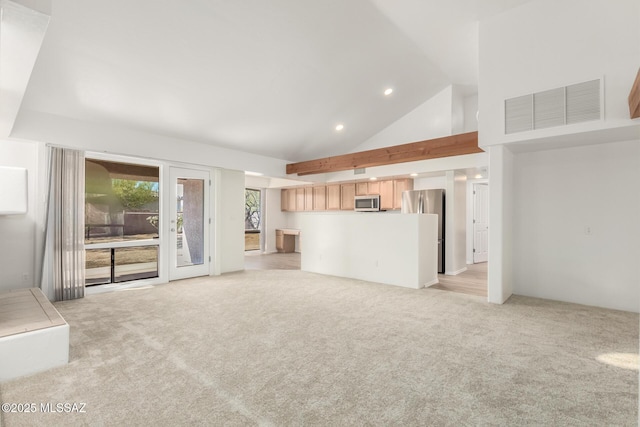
(286, 239)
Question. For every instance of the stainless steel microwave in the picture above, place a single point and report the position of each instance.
(370, 203)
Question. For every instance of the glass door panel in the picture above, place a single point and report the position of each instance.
(189, 223)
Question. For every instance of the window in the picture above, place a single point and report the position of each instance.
(252, 219)
(121, 221)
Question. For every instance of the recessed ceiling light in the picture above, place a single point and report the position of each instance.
(478, 176)
(373, 178)
(388, 91)
(339, 127)
(413, 174)
(252, 173)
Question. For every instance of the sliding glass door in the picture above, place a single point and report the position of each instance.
(122, 216)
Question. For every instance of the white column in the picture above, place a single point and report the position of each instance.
(230, 222)
(500, 269)
(455, 225)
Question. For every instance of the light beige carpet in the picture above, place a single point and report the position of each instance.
(294, 348)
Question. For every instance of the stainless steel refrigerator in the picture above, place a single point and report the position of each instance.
(431, 202)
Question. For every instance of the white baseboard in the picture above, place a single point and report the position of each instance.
(455, 273)
(431, 283)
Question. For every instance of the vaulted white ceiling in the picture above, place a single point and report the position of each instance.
(272, 77)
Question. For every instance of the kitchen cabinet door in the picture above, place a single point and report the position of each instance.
(299, 199)
(400, 185)
(374, 187)
(347, 195)
(386, 194)
(333, 197)
(362, 188)
(288, 199)
(308, 198)
(284, 200)
(291, 199)
(320, 198)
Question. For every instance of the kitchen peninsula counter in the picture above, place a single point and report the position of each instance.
(388, 248)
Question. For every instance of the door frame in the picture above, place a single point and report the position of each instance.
(204, 269)
(162, 236)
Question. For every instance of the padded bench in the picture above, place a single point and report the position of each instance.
(33, 335)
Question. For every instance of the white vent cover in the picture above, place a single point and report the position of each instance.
(556, 107)
(359, 171)
(583, 102)
(518, 114)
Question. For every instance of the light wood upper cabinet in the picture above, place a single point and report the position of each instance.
(288, 199)
(299, 199)
(333, 197)
(320, 198)
(340, 196)
(308, 198)
(362, 188)
(386, 194)
(374, 187)
(347, 195)
(283, 200)
(400, 185)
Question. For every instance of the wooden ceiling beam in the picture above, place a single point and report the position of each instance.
(634, 98)
(455, 145)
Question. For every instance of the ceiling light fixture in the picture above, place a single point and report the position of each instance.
(413, 174)
(252, 173)
(388, 91)
(478, 176)
(339, 127)
(373, 178)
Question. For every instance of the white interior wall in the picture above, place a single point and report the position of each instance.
(457, 110)
(18, 266)
(275, 219)
(430, 183)
(230, 224)
(256, 182)
(87, 136)
(478, 160)
(576, 225)
(517, 44)
(22, 33)
(471, 113)
(430, 120)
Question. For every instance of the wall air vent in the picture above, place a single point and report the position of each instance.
(359, 171)
(556, 107)
(583, 102)
(518, 114)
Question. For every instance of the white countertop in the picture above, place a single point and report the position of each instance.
(293, 231)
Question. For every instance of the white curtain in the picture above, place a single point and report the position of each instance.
(65, 223)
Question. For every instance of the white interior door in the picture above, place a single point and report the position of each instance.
(189, 223)
(480, 222)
